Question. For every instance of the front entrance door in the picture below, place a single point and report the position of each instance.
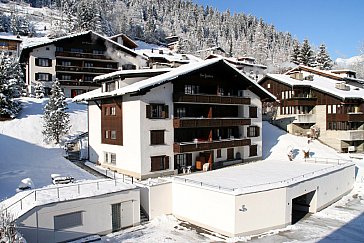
(116, 216)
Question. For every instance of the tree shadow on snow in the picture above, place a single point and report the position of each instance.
(270, 138)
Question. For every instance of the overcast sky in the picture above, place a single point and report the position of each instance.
(337, 23)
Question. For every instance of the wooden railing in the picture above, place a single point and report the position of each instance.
(351, 117)
(210, 145)
(95, 70)
(82, 55)
(210, 99)
(209, 122)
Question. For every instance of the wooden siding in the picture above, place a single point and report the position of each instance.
(112, 122)
(211, 99)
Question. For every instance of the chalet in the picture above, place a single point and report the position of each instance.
(10, 45)
(247, 65)
(150, 123)
(76, 59)
(330, 102)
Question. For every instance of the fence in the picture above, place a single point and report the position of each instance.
(61, 193)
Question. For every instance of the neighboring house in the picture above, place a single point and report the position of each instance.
(76, 59)
(216, 50)
(124, 40)
(165, 58)
(246, 65)
(10, 45)
(330, 102)
(205, 113)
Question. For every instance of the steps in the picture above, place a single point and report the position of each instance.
(143, 216)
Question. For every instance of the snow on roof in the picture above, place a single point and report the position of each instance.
(160, 79)
(128, 72)
(323, 84)
(342, 71)
(10, 37)
(326, 73)
(211, 49)
(50, 41)
(168, 55)
(261, 175)
(236, 61)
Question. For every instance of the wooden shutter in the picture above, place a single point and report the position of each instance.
(166, 162)
(165, 112)
(148, 111)
(37, 62)
(189, 159)
(36, 76)
(257, 131)
(253, 150)
(175, 162)
(253, 112)
(155, 163)
(49, 62)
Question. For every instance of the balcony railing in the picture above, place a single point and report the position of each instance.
(186, 147)
(78, 83)
(209, 122)
(353, 135)
(214, 99)
(95, 70)
(305, 118)
(296, 101)
(350, 117)
(82, 55)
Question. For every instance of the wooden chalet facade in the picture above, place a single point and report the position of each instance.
(198, 114)
(10, 45)
(75, 60)
(314, 99)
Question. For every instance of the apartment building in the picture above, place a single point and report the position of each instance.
(149, 123)
(76, 59)
(330, 102)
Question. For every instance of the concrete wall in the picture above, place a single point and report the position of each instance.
(38, 224)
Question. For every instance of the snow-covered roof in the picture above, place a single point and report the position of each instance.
(168, 55)
(131, 72)
(212, 49)
(126, 49)
(325, 73)
(236, 61)
(323, 84)
(10, 37)
(163, 78)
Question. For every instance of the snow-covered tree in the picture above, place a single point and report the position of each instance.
(56, 120)
(11, 85)
(307, 56)
(296, 53)
(323, 59)
(39, 90)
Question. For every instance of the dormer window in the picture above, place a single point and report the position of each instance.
(110, 86)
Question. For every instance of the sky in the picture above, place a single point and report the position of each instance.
(337, 23)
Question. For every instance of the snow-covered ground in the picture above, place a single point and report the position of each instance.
(25, 154)
(340, 222)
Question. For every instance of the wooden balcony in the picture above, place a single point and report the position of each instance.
(76, 69)
(210, 99)
(210, 145)
(350, 117)
(209, 122)
(305, 119)
(299, 101)
(78, 83)
(82, 55)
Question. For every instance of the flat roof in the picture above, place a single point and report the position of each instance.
(262, 175)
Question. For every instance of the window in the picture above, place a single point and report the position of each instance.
(181, 112)
(88, 78)
(110, 158)
(113, 135)
(68, 220)
(182, 160)
(43, 62)
(128, 67)
(157, 111)
(107, 134)
(253, 131)
(78, 50)
(230, 153)
(110, 86)
(268, 86)
(253, 150)
(109, 65)
(192, 89)
(159, 163)
(89, 64)
(98, 52)
(59, 48)
(218, 153)
(253, 111)
(43, 76)
(157, 137)
(113, 111)
(2, 43)
(66, 63)
(66, 77)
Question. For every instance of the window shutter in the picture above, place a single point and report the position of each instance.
(49, 77)
(175, 163)
(37, 62)
(166, 162)
(166, 112)
(189, 159)
(257, 131)
(49, 63)
(148, 111)
(155, 163)
(37, 76)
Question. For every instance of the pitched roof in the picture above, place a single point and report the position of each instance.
(173, 74)
(323, 84)
(126, 39)
(28, 49)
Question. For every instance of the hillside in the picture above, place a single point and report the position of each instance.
(25, 154)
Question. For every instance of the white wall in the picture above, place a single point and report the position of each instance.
(38, 224)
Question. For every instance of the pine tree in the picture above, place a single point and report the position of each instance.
(295, 53)
(323, 59)
(306, 56)
(39, 90)
(56, 120)
(11, 84)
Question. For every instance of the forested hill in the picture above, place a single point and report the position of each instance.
(198, 27)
